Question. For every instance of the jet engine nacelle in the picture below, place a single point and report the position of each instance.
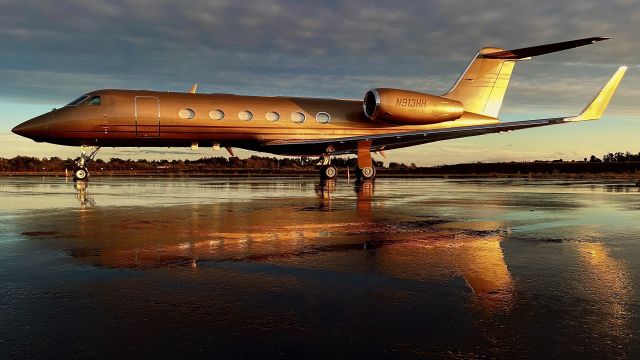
(405, 107)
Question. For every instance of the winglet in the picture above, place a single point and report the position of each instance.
(193, 89)
(596, 107)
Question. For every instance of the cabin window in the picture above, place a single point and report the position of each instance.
(216, 114)
(186, 114)
(94, 101)
(273, 116)
(245, 115)
(78, 100)
(323, 117)
(297, 117)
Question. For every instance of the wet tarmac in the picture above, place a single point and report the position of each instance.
(293, 268)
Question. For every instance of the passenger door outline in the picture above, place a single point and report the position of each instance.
(147, 116)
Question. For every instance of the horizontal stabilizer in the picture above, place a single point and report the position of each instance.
(596, 107)
(527, 52)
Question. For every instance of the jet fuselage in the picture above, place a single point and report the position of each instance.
(131, 118)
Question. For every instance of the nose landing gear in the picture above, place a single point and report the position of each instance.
(80, 172)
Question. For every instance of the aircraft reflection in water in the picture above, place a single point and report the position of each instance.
(433, 250)
(81, 194)
(608, 282)
(453, 262)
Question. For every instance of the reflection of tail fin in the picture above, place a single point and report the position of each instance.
(482, 86)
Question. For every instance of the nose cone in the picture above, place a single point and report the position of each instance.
(33, 129)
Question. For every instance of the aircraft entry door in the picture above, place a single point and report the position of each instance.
(147, 116)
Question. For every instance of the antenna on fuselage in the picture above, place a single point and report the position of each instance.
(193, 89)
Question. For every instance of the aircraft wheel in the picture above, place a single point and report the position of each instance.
(80, 174)
(328, 172)
(366, 173)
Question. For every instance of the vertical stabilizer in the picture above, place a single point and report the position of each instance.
(482, 86)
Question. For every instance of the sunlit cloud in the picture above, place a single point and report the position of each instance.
(55, 51)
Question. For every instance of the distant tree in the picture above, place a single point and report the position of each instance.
(235, 162)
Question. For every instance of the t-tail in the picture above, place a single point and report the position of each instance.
(482, 86)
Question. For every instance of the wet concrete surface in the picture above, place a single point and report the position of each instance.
(295, 268)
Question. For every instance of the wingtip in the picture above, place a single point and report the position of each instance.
(595, 109)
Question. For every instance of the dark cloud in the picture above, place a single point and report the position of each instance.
(52, 51)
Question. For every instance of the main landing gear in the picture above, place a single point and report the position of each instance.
(364, 170)
(80, 172)
(365, 173)
(327, 171)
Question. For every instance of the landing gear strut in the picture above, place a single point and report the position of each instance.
(365, 170)
(80, 172)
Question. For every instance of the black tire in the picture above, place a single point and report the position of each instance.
(328, 172)
(367, 173)
(80, 174)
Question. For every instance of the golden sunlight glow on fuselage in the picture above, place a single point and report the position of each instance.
(147, 118)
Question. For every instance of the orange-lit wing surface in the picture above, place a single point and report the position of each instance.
(593, 111)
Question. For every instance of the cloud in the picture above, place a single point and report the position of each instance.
(54, 51)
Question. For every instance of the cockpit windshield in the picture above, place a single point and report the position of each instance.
(78, 100)
(94, 101)
(86, 100)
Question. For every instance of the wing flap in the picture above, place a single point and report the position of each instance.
(347, 145)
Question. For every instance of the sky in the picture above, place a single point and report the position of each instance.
(54, 51)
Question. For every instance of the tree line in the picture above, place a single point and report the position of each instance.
(33, 164)
(52, 164)
(615, 157)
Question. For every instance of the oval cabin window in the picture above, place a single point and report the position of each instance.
(297, 117)
(186, 114)
(245, 115)
(216, 114)
(323, 117)
(273, 116)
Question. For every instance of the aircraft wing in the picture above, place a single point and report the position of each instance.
(345, 145)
